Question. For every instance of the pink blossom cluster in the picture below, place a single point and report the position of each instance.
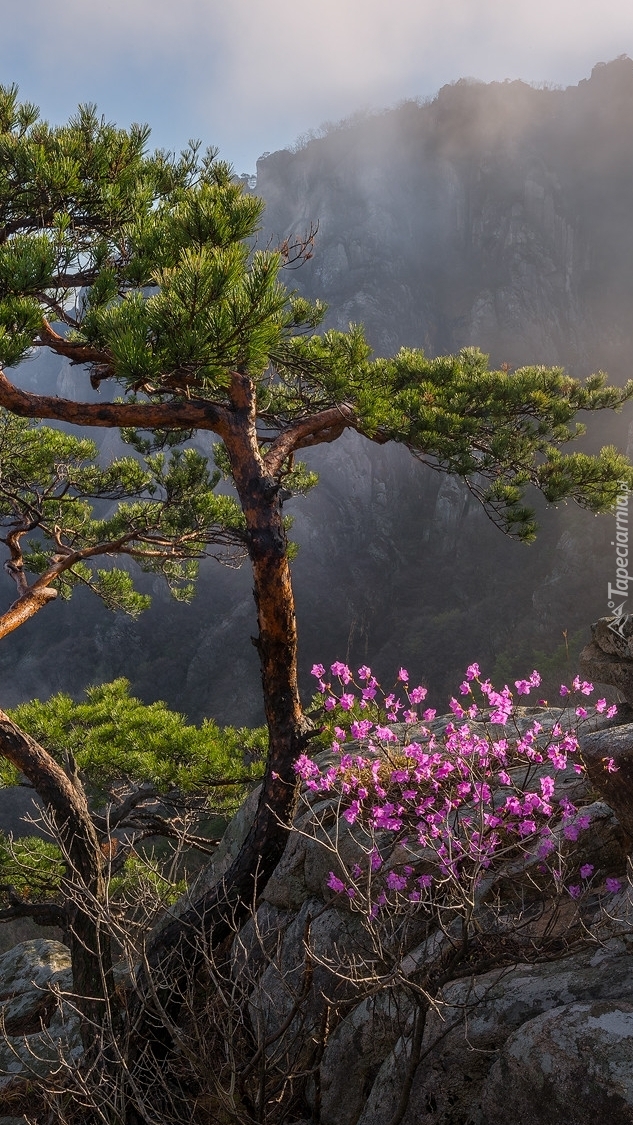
(456, 801)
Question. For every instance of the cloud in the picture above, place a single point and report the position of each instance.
(252, 74)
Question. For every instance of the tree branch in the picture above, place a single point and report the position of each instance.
(44, 913)
(326, 426)
(136, 415)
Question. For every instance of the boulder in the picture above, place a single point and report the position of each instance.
(574, 1064)
(38, 1026)
(464, 1035)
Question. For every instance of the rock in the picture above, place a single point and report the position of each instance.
(355, 1051)
(574, 1064)
(27, 975)
(448, 1083)
(615, 783)
(604, 668)
(39, 1026)
(614, 636)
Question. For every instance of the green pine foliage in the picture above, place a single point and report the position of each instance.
(114, 737)
(150, 261)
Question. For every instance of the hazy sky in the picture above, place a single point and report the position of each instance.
(250, 75)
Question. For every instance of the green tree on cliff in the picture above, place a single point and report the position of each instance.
(140, 269)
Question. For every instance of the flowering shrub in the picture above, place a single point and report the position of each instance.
(460, 799)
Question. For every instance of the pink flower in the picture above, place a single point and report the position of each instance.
(318, 670)
(522, 686)
(581, 712)
(396, 882)
(403, 676)
(547, 786)
(335, 884)
(564, 690)
(429, 715)
(375, 860)
(417, 694)
(601, 706)
(364, 673)
(505, 778)
(472, 672)
(340, 734)
(342, 671)
(330, 703)
(535, 679)
(464, 688)
(611, 711)
(347, 701)
(352, 812)
(610, 765)
(361, 729)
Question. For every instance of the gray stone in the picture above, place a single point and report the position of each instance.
(616, 641)
(464, 1035)
(604, 668)
(574, 1064)
(39, 1026)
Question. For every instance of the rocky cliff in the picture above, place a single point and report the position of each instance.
(497, 215)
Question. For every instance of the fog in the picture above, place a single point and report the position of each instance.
(251, 75)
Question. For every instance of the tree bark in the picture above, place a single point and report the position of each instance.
(66, 801)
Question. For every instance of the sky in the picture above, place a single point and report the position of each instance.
(250, 76)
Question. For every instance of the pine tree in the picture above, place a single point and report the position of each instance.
(141, 268)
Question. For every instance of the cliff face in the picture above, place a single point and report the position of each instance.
(498, 215)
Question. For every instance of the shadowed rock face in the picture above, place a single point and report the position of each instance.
(497, 215)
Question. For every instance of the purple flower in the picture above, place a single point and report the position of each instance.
(330, 703)
(342, 671)
(318, 670)
(305, 767)
(564, 690)
(472, 672)
(347, 701)
(547, 786)
(352, 812)
(417, 694)
(581, 712)
(429, 715)
(505, 778)
(464, 688)
(403, 676)
(396, 882)
(335, 884)
(613, 886)
(535, 679)
(375, 860)
(364, 673)
(610, 765)
(361, 729)
(586, 871)
(575, 891)
(601, 706)
(425, 881)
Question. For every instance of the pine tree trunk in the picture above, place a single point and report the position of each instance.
(178, 950)
(84, 883)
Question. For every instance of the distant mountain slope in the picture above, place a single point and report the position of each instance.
(498, 215)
